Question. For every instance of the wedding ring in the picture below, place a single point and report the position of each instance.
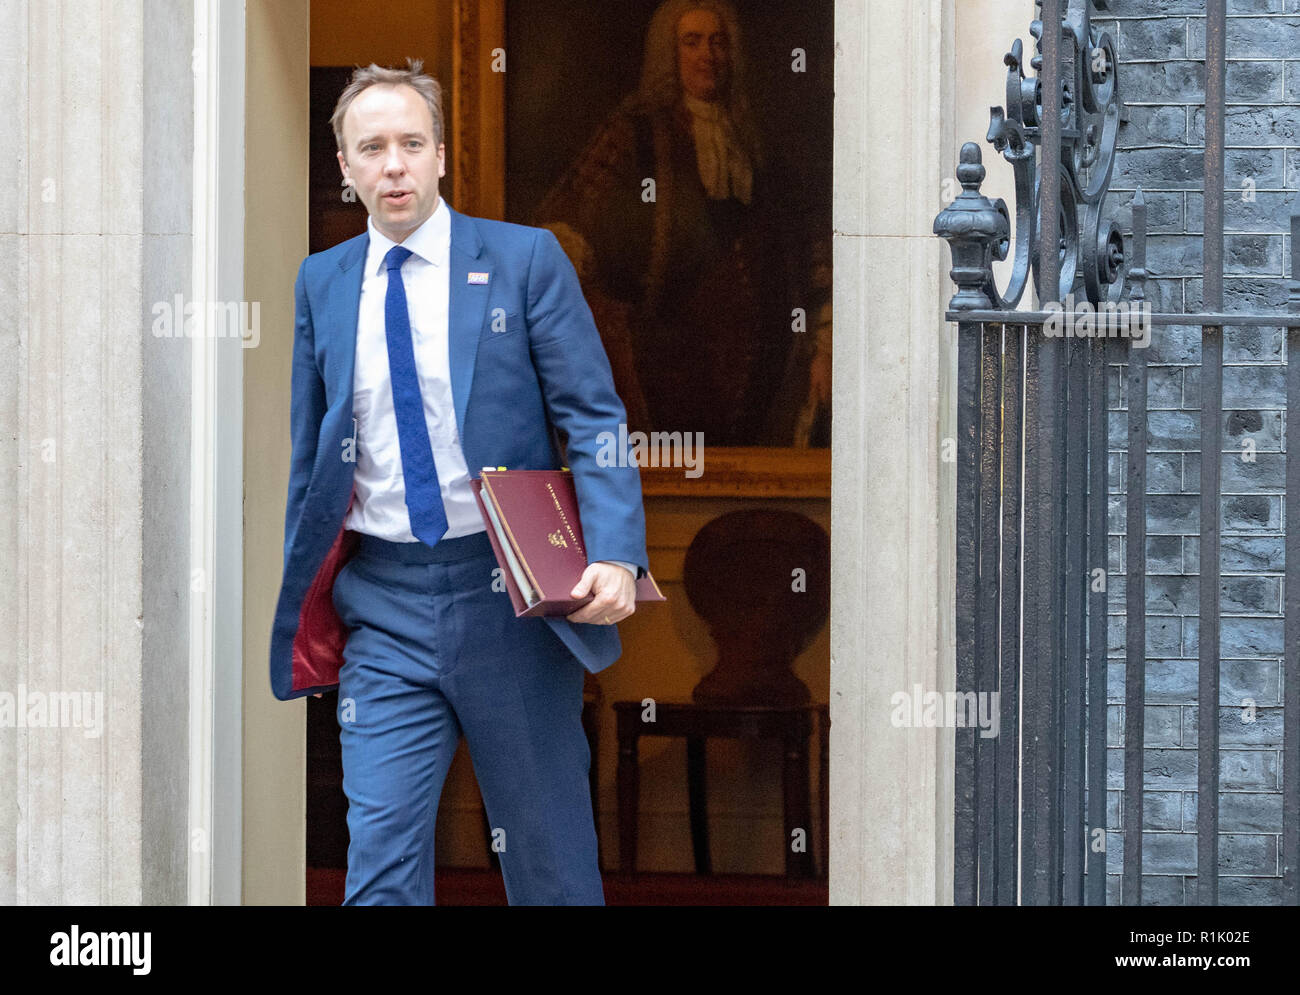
(607, 621)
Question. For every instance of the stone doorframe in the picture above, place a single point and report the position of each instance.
(903, 94)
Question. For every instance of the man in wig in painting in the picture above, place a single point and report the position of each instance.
(685, 246)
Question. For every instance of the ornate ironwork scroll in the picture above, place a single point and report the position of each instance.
(1093, 264)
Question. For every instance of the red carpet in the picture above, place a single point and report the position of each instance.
(470, 886)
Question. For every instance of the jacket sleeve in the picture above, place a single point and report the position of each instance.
(632, 568)
(578, 387)
(306, 408)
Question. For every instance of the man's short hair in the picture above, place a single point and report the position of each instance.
(422, 83)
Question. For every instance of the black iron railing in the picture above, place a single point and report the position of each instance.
(1032, 484)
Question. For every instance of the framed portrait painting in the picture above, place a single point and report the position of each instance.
(680, 151)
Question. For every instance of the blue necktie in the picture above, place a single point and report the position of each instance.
(423, 497)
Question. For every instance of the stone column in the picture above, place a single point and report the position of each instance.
(96, 122)
(901, 87)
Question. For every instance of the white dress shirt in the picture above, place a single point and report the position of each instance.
(379, 507)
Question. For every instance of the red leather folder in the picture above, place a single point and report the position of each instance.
(533, 525)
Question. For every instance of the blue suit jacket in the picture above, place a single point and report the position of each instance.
(547, 363)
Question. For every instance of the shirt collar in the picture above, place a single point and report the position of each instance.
(431, 241)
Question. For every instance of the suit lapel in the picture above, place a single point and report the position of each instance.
(466, 306)
(345, 308)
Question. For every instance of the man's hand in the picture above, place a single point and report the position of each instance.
(615, 594)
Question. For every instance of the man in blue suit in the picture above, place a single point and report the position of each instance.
(432, 346)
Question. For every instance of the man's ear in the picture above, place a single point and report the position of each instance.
(343, 167)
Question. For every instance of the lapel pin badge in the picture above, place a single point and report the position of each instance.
(478, 278)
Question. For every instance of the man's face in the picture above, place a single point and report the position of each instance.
(389, 155)
(703, 54)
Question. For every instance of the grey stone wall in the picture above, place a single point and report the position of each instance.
(1162, 48)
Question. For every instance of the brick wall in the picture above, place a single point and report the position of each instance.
(1162, 45)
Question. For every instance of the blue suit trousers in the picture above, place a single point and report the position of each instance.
(433, 652)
